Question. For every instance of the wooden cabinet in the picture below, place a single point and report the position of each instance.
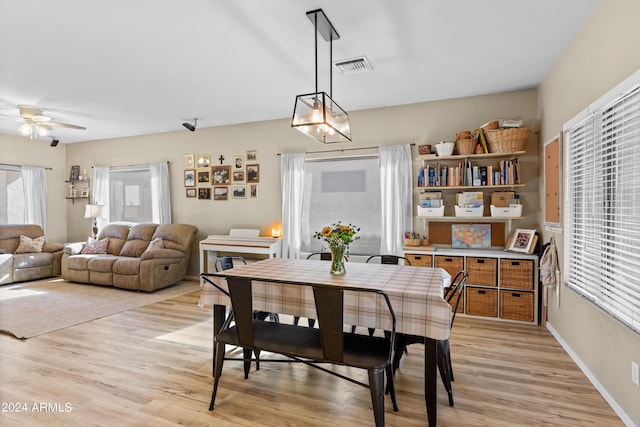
(501, 285)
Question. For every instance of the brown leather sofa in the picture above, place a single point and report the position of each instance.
(129, 261)
(23, 267)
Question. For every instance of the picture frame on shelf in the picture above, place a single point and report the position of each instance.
(204, 193)
(220, 175)
(238, 163)
(84, 192)
(189, 161)
(253, 191)
(74, 175)
(522, 240)
(252, 155)
(189, 177)
(239, 191)
(253, 173)
(192, 192)
(221, 193)
(204, 176)
(203, 161)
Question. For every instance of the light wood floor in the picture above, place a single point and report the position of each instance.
(152, 367)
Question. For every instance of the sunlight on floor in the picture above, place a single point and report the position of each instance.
(17, 291)
(199, 334)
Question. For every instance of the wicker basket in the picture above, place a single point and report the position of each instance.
(516, 305)
(493, 124)
(481, 302)
(516, 273)
(482, 271)
(412, 242)
(506, 140)
(466, 146)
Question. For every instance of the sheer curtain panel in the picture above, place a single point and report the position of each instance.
(101, 193)
(292, 184)
(160, 193)
(396, 197)
(35, 196)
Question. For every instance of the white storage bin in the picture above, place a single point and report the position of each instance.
(515, 211)
(474, 212)
(431, 211)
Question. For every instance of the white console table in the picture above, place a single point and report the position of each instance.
(213, 244)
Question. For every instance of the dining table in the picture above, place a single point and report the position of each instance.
(415, 292)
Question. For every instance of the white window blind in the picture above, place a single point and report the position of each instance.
(602, 203)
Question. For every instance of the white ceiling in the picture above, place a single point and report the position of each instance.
(125, 67)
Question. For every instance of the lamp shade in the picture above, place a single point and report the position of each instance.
(93, 211)
(318, 116)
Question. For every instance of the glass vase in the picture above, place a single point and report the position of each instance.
(337, 260)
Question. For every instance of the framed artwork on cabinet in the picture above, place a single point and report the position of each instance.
(522, 240)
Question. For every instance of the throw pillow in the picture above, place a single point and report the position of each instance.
(95, 246)
(28, 245)
(156, 243)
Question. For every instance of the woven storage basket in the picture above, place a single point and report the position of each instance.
(506, 140)
(481, 302)
(451, 264)
(419, 260)
(493, 124)
(466, 146)
(412, 242)
(516, 273)
(516, 305)
(482, 271)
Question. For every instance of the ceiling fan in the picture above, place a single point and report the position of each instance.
(35, 123)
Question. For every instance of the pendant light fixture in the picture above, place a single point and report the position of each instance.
(316, 114)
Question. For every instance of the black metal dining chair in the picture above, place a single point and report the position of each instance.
(452, 295)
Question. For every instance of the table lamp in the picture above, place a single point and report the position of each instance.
(93, 212)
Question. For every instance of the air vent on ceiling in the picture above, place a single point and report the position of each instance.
(353, 65)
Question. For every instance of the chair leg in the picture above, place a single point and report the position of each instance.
(391, 388)
(353, 329)
(371, 331)
(443, 360)
(296, 319)
(217, 370)
(256, 353)
(376, 387)
(312, 322)
(247, 361)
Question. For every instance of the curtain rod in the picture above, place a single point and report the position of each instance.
(19, 166)
(341, 150)
(135, 164)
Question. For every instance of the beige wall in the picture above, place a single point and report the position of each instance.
(385, 126)
(601, 56)
(18, 150)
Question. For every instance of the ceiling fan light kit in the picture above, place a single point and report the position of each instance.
(36, 124)
(316, 114)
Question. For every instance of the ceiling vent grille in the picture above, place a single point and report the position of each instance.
(353, 65)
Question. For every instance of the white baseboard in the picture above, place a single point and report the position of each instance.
(603, 391)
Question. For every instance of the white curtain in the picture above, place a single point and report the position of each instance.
(396, 181)
(101, 193)
(292, 184)
(160, 193)
(34, 183)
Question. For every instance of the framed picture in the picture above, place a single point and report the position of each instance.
(192, 192)
(238, 176)
(84, 192)
(470, 235)
(220, 193)
(239, 191)
(189, 161)
(204, 176)
(189, 177)
(522, 240)
(221, 175)
(203, 161)
(252, 156)
(253, 191)
(238, 162)
(253, 173)
(204, 193)
(75, 173)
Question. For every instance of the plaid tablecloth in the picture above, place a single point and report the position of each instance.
(416, 293)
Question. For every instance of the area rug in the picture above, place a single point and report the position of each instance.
(34, 308)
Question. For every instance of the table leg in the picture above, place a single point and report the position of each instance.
(430, 373)
(219, 314)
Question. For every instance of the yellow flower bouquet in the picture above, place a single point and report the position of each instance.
(338, 236)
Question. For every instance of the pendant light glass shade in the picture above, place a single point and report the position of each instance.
(318, 116)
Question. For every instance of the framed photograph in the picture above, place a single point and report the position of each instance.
(238, 162)
(192, 192)
(470, 235)
(204, 176)
(239, 191)
(220, 193)
(522, 240)
(204, 193)
(203, 161)
(189, 177)
(253, 173)
(75, 173)
(252, 156)
(238, 176)
(84, 192)
(189, 161)
(221, 175)
(253, 191)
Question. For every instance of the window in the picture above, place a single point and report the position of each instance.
(345, 190)
(602, 203)
(130, 195)
(11, 195)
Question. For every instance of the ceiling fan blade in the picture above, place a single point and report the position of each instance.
(66, 125)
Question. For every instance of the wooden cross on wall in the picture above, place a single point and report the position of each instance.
(221, 158)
